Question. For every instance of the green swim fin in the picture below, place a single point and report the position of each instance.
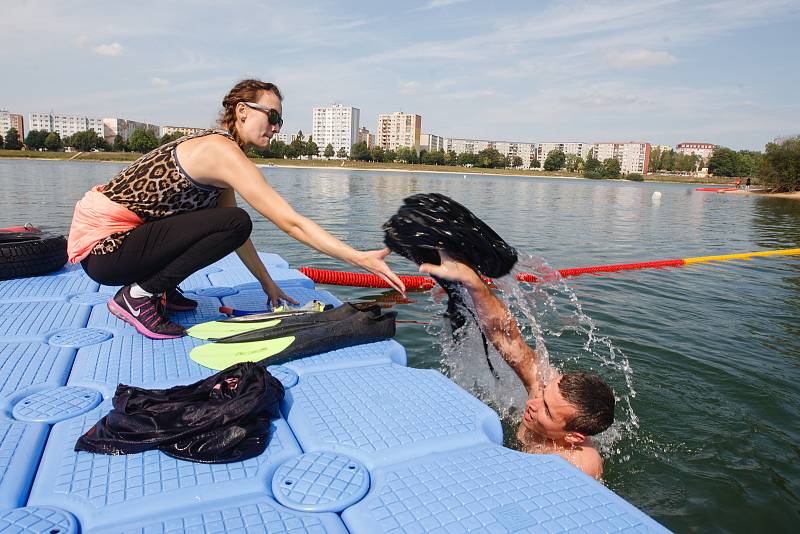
(280, 344)
(218, 329)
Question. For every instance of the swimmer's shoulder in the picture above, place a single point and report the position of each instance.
(587, 459)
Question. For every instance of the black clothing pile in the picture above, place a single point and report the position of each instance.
(224, 418)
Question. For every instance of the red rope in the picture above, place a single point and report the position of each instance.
(418, 282)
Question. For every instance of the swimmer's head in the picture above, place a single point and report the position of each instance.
(593, 401)
(252, 112)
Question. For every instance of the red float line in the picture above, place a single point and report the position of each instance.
(418, 282)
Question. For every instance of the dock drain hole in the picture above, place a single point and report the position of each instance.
(288, 482)
(55, 531)
(351, 467)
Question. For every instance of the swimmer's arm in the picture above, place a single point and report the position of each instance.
(225, 165)
(249, 256)
(496, 321)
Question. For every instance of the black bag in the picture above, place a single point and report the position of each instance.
(429, 222)
(224, 418)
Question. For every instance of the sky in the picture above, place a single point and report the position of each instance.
(662, 71)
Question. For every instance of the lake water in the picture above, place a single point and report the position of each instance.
(707, 356)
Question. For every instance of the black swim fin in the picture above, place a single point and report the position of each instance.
(215, 330)
(278, 345)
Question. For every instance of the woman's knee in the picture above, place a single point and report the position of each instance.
(240, 222)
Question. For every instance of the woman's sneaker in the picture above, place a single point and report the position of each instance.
(144, 315)
(173, 300)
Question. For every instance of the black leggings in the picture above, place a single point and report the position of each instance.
(159, 255)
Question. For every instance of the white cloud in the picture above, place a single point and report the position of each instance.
(408, 88)
(159, 82)
(639, 59)
(111, 49)
(433, 4)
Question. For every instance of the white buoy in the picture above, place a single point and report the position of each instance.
(656, 196)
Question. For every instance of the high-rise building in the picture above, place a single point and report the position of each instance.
(12, 120)
(633, 156)
(185, 130)
(113, 127)
(366, 137)
(430, 142)
(335, 125)
(704, 150)
(398, 129)
(65, 125)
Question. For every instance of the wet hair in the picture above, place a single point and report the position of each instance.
(244, 91)
(593, 400)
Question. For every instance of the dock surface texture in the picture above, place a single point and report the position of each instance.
(365, 444)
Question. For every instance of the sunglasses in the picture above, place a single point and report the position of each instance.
(273, 117)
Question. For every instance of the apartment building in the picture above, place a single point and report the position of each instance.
(525, 151)
(577, 148)
(185, 130)
(113, 127)
(286, 138)
(399, 129)
(466, 146)
(335, 125)
(364, 136)
(12, 120)
(431, 142)
(510, 149)
(704, 150)
(65, 125)
(633, 156)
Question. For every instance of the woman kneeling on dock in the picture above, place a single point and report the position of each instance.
(173, 212)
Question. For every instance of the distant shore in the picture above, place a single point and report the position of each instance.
(116, 157)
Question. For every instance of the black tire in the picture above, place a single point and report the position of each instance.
(24, 254)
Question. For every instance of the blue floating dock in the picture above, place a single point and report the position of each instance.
(365, 444)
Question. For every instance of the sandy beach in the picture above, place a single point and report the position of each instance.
(759, 192)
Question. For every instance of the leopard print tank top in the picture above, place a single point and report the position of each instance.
(155, 186)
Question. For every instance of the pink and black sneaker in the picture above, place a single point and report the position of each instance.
(174, 301)
(144, 315)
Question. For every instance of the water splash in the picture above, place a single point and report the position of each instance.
(552, 320)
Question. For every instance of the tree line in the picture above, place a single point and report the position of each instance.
(140, 141)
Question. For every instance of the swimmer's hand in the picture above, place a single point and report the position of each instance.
(275, 295)
(453, 270)
(373, 261)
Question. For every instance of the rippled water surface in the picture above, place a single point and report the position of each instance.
(713, 349)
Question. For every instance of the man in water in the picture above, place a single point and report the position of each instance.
(562, 411)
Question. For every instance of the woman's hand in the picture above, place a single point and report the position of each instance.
(275, 295)
(373, 261)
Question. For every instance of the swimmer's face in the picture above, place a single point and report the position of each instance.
(255, 129)
(548, 412)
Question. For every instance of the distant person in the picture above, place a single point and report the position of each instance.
(747, 184)
(562, 411)
(173, 211)
(738, 183)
